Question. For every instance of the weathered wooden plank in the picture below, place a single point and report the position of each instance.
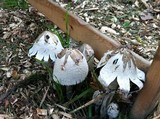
(80, 30)
(149, 95)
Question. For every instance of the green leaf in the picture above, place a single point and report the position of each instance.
(126, 24)
(10, 4)
(83, 94)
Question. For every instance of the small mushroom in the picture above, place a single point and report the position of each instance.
(120, 65)
(88, 52)
(70, 68)
(46, 46)
(112, 110)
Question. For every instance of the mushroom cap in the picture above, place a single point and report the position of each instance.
(104, 59)
(120, 65)
(88, 52)
(112, 110)
(46, 46)
(70, 68)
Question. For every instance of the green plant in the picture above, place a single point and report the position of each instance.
(67, 30)
(55, 85)
(126, 24)
(67, 25)
(15, 4)
(77, 97)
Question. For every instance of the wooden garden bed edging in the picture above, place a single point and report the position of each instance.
(150, 94)
(80, 30)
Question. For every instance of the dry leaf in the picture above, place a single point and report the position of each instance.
(105, 29)
(7, 35)
(41, 112)
(146, 15)
(5, 116)
(55, 116)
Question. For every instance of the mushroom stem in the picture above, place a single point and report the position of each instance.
(69, 92)
(110, 117)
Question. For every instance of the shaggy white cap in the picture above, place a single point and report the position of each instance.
(70, 68)
(120, 65)
(46, 46)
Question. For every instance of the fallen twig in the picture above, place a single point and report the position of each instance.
(144, 3)
(62, 107)
(91, 9)
(44, 97)
(89, 103)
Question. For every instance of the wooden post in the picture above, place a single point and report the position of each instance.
(80, 30)
(150, 94)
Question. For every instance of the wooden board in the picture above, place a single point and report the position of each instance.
(80, 30)
(150, 94)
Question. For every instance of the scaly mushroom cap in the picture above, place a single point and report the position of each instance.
(70, 68)
(120, 65)
(46, 46)
(88, 52)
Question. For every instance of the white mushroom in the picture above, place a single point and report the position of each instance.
(120, 65)
(112, 110)
(88, 52)
(70, 68)
(46, 46)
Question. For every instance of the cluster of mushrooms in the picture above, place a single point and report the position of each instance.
(71, 65)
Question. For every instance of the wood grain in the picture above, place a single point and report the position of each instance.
(149, 95)
(80, 30)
